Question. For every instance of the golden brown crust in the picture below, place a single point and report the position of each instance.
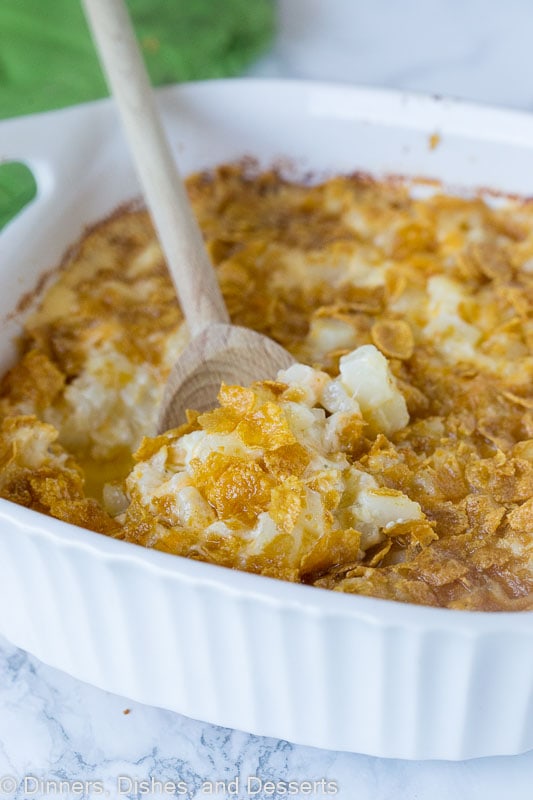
(443, 287)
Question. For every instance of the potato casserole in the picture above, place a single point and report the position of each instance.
(395, 459)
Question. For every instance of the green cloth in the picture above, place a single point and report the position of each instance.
(47, 59)
(17, 189)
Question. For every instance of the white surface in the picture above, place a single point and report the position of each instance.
(54, 726)
(474, 49)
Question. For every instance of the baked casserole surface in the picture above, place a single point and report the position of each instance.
(394, 460)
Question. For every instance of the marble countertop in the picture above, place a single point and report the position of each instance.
(56, 729)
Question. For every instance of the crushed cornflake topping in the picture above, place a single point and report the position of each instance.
(395, 460)
(264, 481)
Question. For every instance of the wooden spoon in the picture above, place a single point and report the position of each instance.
(218, 351)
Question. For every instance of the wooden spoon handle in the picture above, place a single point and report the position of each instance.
(165, 194)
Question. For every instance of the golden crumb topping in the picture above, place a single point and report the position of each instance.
(264, 482)
(395, 460)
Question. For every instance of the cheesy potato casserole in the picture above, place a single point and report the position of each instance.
(395, 459)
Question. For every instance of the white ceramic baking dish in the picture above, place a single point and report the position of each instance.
(315, 667)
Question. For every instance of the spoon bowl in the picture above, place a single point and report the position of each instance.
(219, 354)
